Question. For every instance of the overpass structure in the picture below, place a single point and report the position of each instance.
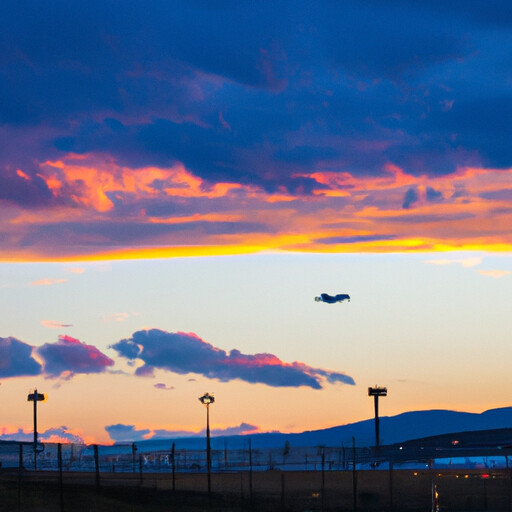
(471, 444)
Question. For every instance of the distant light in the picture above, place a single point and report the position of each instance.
(401, 448)
(207, 399)
(485, 475)
(455, 442)
(415, 473)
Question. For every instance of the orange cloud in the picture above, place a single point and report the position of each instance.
(470, 209)
(495, 273)
(47, 282)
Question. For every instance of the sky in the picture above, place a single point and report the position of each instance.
(179, 180)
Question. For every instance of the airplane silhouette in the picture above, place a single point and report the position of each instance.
(332, 299)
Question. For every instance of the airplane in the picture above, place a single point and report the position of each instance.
(332, 299)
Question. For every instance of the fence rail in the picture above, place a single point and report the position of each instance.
(133, 458)
(287, 478)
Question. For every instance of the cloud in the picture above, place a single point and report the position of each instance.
(52, 324)
(120, 433)
(433, 195)
(161, 385)
(170, 434)
(495, 273)
(75, 270)
(64, 359)
(60, 435)
(410, 197)
(16, 359)
(299, 114)
(242, 429)
(19, 435)
(52, 435)
(69, 356)
(354, 239)
(185, 353)
(145, 371)
(465, 262)
(116, 317)
(129, 433)
(47, 282)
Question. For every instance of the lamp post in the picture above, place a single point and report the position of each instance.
(376, 392)
(208, 399)
(36, 397)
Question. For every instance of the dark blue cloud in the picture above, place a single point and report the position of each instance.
(119, 233)
(498, 195)
(428, 218)
(126, 433)
(410, 197)
(256, 92)
(16, 359)
(30, 191)
(184, 353)
(433, 195)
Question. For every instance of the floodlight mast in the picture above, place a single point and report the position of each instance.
(376, 392)
(35, 397)
(206, 400)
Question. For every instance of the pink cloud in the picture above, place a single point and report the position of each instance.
(70, 356)
(52, 324)
(47, 282)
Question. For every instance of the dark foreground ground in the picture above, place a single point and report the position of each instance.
(289, 491)
(40, 497)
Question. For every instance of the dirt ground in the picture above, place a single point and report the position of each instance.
(377, 490)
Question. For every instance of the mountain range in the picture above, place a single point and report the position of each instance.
(393, 429)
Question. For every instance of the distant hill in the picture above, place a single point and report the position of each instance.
(393, 429)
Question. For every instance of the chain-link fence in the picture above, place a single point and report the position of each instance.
(285, 478)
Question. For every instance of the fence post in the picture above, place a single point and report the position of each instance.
(323, 478)
(134, 452)
(140, 469)
(250, 472)
(20, 472)
(61, 484)
(283, 501)
(354, 475)
(510, 484)
(390, 486)
(173, 454)
(97, 466)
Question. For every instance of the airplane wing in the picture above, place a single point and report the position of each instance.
(329, 299)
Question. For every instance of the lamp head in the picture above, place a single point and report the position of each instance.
(207, 399)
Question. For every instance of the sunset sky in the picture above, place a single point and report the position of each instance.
(178, 180)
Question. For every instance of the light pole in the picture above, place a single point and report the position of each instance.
(36, 397)
(376, 392)
(208, 399)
